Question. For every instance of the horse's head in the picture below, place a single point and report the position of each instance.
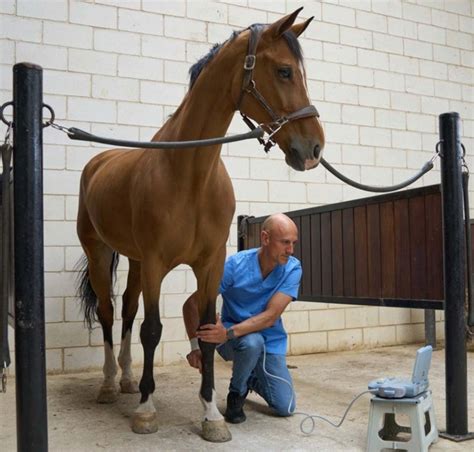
(274, 94)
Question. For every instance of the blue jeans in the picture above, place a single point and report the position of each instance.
(248, 372)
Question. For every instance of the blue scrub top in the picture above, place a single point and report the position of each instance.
(246, 293)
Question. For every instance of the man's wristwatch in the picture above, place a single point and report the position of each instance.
(230, 334)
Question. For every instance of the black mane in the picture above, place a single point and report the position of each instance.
(197, 67)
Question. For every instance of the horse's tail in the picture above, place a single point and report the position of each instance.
(85, 291)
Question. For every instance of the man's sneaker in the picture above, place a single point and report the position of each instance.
(234, 412)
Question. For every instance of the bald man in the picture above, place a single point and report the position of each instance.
(257, 286)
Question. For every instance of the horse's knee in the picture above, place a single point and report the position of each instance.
(150, 332)
(207, 346)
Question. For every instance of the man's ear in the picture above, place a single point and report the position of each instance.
(264, 237)
(297, 29)
(276, 29)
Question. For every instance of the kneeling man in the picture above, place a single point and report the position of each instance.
(257, 286)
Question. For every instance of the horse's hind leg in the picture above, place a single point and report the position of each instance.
(100, 258)
(96, 290)
(208, 276)
(128, 384)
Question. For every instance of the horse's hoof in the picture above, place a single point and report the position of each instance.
(129, 387)
(144, 423)
(216, 431)
(107, 394)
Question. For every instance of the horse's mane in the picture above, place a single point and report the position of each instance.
(197, 67)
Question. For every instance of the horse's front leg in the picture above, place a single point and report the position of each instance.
(214, 428)
(128, 384)
(144, 418)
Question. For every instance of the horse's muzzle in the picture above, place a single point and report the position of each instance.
(301, 160)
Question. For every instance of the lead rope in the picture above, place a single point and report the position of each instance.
(425, 168)
(77, 134)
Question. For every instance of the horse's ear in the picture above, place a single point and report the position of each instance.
(297, 29)
(276, 29)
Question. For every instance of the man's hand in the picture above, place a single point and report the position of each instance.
(195, 359)
(215, 334)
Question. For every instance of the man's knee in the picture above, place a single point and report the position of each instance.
(284, 406)
(252, 342)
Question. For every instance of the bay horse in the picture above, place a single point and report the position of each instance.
(161, 208)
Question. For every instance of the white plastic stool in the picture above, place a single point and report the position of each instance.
(383, 432)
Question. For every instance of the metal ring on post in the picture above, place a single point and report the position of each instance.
(51, 120)
(2, 117)
(438, 148)
(10, 123)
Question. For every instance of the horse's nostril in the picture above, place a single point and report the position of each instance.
(317, 151)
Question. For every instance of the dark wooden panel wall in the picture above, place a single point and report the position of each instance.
(382, 247)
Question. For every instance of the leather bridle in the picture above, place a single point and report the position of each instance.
(249, 86)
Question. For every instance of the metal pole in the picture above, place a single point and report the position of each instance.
(430, 328)
(454, 278)
(32, 430)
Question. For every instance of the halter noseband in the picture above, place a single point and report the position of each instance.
(249, 86)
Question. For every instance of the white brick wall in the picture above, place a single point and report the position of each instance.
(380, 73)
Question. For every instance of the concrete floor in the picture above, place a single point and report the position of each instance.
(325, 384)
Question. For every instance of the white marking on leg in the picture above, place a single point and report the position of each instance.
(146, 407)
(110, 366)
(211, 413)
(125, 357)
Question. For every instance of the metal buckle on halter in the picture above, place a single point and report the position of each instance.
(275, 126)
(249, 62)
(271, 129)
(250, 88)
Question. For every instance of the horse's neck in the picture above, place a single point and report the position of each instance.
(206, 112)
(200, 116)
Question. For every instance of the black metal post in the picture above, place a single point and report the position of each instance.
(454, 278)
(32, 426)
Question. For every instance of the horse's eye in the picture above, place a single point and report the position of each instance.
(285, 72)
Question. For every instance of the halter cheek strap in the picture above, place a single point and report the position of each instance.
(250, 60)
(249, 86)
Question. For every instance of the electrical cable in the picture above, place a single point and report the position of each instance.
(278, 378)
(307, 417)
(312, 417)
